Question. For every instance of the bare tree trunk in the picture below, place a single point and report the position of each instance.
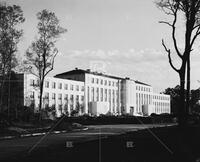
(40, 100)
(2, 89)
(188, 88)
(181, 110)
(9, 77)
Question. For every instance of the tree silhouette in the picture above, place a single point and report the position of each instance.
(190, 10)
(42, 52)
(10, 17)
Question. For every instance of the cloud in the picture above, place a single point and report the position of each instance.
(149, 65)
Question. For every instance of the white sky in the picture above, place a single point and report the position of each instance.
(123, 35)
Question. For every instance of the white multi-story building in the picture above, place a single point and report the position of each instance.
(102, 92)
(96, 93)
(63, 94)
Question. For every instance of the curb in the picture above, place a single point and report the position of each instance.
(39, 134)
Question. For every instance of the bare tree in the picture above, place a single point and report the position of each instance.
(190, 10)
(41, 54)
(10, 34)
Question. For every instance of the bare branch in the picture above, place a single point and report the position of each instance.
(195, 36)
(165, 22)
(174, 34)
(169, 57)
(52, 63)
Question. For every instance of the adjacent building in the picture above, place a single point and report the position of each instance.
(95, 93)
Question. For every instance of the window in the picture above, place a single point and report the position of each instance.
(82, 88)
(97, 94)
(32, 82)
(53, 85)
(92, 80)
(101, 94)
(32, 95)
(66, 86)
(113, 84)
(82, 98)
(46, 84)
(60, 86)
(109, 95)
(77, 98)
(66, 97)
(72, 99)
(92, 93)
(105, 82)
(77, 87)
(71, 87)
(59, 96)
(101, 81)
(109, 83)
(53, 96)
(105, 95)
(97, 81)
(46, 95)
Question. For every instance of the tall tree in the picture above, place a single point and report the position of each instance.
(10, 18)
(41, 54)
(190, 10)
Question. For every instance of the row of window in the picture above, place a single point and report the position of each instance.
(161, 110)
(161, 104)
(143, 98)
(60, 95)
(140, 88)
(59, 85)
(103, 82)
(103, 94)
(161, 98)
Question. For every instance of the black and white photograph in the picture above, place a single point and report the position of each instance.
(100, 80)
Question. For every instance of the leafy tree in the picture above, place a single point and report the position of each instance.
(194, 102)
(174, 98)
(189, 10)
(42, 52)
(11, 16)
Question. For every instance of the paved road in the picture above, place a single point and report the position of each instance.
(15, 148)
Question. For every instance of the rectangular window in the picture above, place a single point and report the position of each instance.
(92, 80)
(101, 81)
(71, 87)
(101, 94)
(97, 99)
(82, 98)
(60, 86)
(66, 97)
(32, 82)
(53, 85)
(109, 83)
(59, 96)
(47, 95)
(77, 99)
(46, 84)
(105, 95)
(97, 81)
(82, 88)
(32, 95)
(53, 96)
(92, 93)
(105, 82)
(77, 88)
(66, 86)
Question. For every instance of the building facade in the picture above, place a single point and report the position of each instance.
(96, 93)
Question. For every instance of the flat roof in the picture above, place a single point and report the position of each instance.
(138, 82)
(81, 71)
